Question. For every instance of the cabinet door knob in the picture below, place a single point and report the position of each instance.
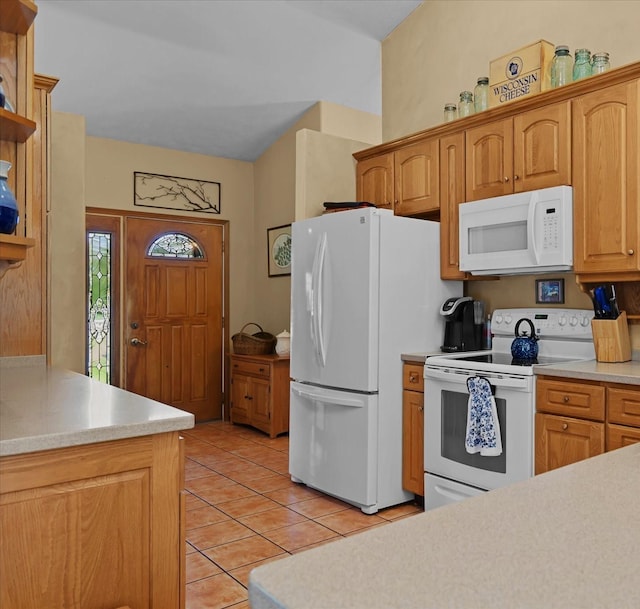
(565, 425)
(630, 252)
(516, 177)
(420, 408)
(506, 178)
(565, 399)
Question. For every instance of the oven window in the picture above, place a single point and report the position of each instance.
(454, 429)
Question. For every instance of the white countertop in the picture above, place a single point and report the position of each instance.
(567, 539)
(43, 408)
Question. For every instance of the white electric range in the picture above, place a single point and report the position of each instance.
(451, 473)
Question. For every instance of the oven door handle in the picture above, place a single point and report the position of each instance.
(460, 377)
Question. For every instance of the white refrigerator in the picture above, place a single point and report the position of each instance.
(365, 288)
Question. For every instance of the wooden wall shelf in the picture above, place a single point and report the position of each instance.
(17, 16)
(14, 127)
(14, 249)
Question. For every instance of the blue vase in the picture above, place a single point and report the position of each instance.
(8, 204)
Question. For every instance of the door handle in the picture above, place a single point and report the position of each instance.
(136, 342)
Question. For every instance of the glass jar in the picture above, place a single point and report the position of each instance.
(481, 94)
(561, 67)
(582, 65)
(450, 112)
(600, 63)
(465, 105)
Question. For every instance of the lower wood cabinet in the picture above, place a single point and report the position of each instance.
(260, 392)
(580, 419)
(100, 525)
(413, 429)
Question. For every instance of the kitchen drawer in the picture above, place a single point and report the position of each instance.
(620, 435)
(623, 406)
(412, 377)
(580, 400)
(252, 368)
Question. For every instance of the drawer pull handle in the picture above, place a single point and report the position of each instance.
(565, 426)
(413, 377)
(565, 399)
(261, 369)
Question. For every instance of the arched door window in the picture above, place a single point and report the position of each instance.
(175, 245)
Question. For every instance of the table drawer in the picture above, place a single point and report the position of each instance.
(412, 377)
(579, 400)
(623, 406)
(252, 368)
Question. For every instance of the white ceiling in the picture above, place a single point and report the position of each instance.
(219, 77)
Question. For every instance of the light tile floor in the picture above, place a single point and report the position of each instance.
(243, 511)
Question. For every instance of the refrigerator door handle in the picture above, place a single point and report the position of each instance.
(327, 399)
(316, 299)
(322, 357)
(311, 299)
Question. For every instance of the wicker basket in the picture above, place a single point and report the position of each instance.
(260, 343)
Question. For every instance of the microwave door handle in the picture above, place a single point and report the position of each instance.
(531, 228)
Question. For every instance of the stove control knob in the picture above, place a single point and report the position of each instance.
(498, 319)
(584, 321)
(508, 319)
(574, 321)
(562, 320)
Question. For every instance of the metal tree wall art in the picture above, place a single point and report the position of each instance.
(171, 192)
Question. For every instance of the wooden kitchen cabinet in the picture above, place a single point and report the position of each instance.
(405, 181)
(416, 178)
(529, 151)
(260, 392)
(98, 525)
(580, 419)
(413, 428)
(606, 180)
(452, 194)
(374, 181)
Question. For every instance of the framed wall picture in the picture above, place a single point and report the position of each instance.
(549, 291)
(279, 250)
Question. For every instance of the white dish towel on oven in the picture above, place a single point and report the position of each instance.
(483, 428)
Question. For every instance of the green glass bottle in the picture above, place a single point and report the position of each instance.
(582, 65)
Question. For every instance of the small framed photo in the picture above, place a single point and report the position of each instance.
(279, 250)
(549, 291)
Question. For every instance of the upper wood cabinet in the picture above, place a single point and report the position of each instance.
(452, 194)
(405, 181)
(416, 179)
(374, 180)
(525, 152)
(606, 180)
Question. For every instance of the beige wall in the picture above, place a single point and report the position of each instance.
(66, 235)
(443, 46)
(276, 203)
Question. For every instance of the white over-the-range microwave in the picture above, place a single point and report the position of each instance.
(527, 232)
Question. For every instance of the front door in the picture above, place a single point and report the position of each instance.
(173, 313)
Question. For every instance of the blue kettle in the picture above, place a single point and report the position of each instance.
(525, 347)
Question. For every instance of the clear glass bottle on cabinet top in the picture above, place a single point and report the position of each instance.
(450, 112)
(465, 105)
(600, 63)
(561, 67)
(481, 94)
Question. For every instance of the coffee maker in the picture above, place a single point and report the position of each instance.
(463, 327)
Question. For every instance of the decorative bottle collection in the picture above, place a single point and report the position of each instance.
(564, 69)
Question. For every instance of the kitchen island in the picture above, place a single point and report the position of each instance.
(567, 539)
(91, 492)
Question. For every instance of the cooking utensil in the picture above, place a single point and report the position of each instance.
(525, 347)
